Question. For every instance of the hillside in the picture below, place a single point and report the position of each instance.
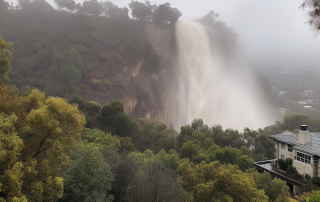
(98, 58)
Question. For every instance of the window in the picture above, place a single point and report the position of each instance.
(283, 146)
(283, 157)
(302, 158)
(289, 148)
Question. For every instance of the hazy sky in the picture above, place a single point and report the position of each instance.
(270, 31)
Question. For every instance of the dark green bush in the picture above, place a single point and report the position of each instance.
(289, 161)
(282, 164)
(291, 169)
(316, 180)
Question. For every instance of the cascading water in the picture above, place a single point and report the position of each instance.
(212, 88)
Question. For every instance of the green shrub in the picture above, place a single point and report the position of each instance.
(290, 169)
(93, 108)
(289, 161)
(307, 177)
(282, 164)
(316, 181)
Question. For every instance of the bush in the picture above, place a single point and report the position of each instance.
(291, 169)
(316, 181)
(307, 177)
(282, 164)
(289, 161)
(93, 108)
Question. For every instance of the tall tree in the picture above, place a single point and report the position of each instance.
(5, 66)
(166, 14)
(92, 7)
(68, 4)
(273, 188)
(88, 177)
(112, 11)
(35, 144)
(155, 183)
(63, 75)
(312, 8)
(139, 10)
(215, 182)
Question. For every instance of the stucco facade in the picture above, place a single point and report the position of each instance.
(311, 169)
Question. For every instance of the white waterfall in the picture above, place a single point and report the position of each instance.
(212, 89)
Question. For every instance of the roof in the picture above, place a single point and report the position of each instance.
(312, 147)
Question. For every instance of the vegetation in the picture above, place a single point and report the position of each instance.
(313, 11)
(53, 149)
(5, 66)
(45, 148)
(36, 137)
(286, 165)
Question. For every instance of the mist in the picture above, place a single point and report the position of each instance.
(214, 84)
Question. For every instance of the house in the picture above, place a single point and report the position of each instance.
(302, 148)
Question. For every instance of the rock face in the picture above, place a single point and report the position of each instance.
(144, 94)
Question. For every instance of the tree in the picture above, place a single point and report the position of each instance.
(216, 182)
(155, 183)
(112, 11)
(93, 108)
(273, 188)
(188, 150)
(139, 10)
(114, 119)
(68, 4)
(166, 14)
(88, 177)
(234, 156)
(175, 14)
(315, 197)
(209, 19)
(33, 156)
(313, 11)
(92, 7)
(153, 135)
(63, 75)
(5, 66)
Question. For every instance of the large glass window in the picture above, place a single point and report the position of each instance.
(283, 146)
(302, 158)
(289, 148)
(283, 157)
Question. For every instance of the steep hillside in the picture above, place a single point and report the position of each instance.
(98, 58)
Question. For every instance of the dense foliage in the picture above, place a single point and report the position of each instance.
(78, 150)
(5, 66)
(41, 149)
(36, 134)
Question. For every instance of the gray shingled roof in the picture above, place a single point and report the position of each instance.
(312, 147)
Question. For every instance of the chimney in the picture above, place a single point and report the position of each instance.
(303, 134)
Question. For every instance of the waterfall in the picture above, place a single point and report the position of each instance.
(214, 87)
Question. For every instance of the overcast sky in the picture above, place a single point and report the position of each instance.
(270, 31)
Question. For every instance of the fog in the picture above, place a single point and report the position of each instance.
(215, 85)
(271, 32)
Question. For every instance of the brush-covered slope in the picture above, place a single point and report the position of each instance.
(98, 58)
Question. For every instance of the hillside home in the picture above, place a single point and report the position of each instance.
(302, 148)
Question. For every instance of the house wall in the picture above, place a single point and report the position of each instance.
(284, 152)
(316, 165)
(302, 168)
